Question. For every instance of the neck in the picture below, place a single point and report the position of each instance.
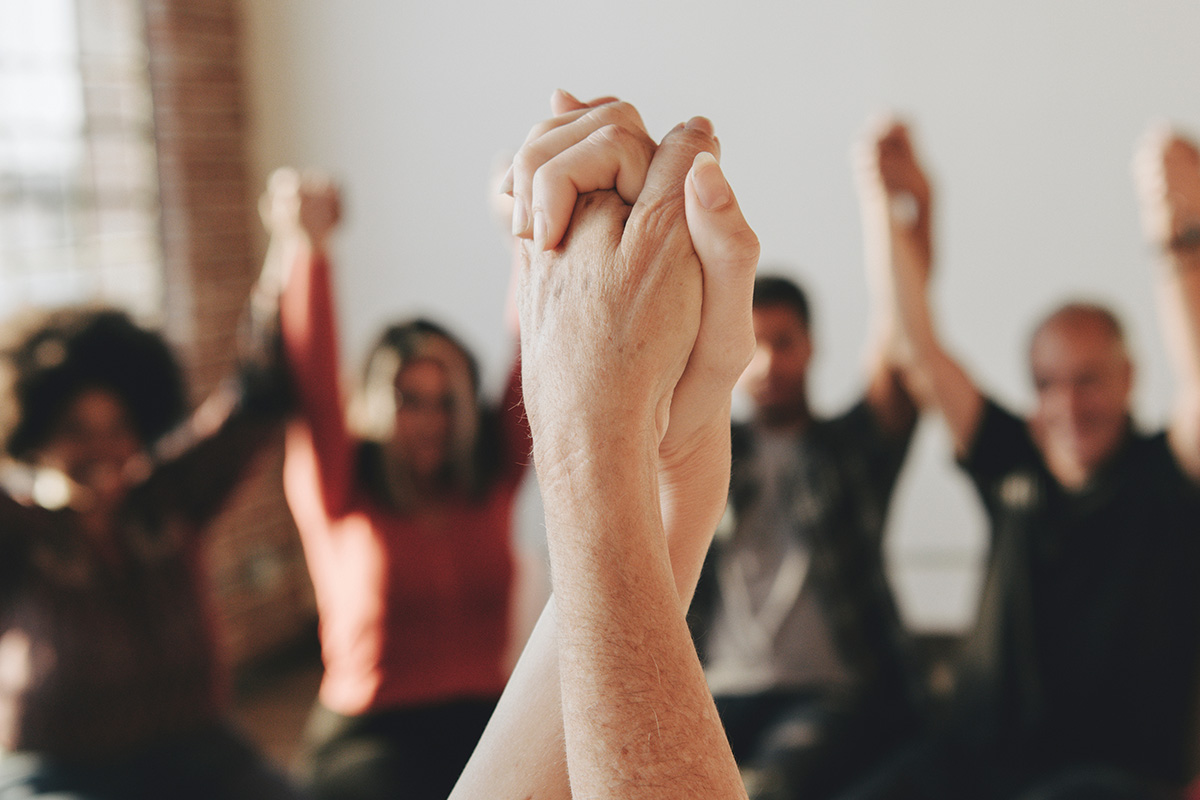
(1071, 471)
(1065, 463)
(1068, 471)
(99, 528)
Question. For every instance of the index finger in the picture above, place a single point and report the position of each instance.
(662, 195)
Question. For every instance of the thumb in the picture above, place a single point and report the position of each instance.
(728, 251)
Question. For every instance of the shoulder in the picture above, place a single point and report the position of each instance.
(1148, 458)
(1002, 440)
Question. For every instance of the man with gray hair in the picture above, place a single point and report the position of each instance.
(1080, 678)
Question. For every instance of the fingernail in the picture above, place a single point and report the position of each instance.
(701, 124)
(712, 190)
(520, 221)
(570, 96)
(539, 230)
(506, 185)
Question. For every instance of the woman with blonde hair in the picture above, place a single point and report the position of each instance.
(406, 520)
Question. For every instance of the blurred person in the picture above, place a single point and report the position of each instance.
(1080, 678)
(110, 681)
(797, 626)
(404, 504)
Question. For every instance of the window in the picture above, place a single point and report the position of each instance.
(78, 182)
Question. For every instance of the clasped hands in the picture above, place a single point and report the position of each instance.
(635, 291)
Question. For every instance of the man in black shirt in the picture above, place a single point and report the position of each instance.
(1080, 679)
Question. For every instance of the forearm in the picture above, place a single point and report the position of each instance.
(310, 341)
(1179, 288)
(892, 394)
(638, 719)
(1179, 300)
(693, 489)
(949, 386)
(199, 465)
(893, 374)
(522, 755)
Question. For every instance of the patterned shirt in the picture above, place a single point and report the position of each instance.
(844, 474)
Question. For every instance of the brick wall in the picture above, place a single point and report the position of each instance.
(258, 572)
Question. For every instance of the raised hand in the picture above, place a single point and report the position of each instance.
(307, 204)
(1167, 177)
(895, 194)
(300, 211)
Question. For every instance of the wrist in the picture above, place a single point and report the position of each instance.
(602, 515)
(575, 462)
(693, 478)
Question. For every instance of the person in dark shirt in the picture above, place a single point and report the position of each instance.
(1080, 678)
(794, 618)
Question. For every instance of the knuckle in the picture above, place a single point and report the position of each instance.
(525, 164)
(610, 134)
(523, 161)
(617, 113)
(660, 219)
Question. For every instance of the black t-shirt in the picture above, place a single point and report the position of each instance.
(1086, 649)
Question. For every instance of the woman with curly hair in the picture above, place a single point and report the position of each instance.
(110, 683)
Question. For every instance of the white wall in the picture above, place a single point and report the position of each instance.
(1027, 111)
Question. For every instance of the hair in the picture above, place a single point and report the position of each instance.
(373, 411)
(1081, 310)
(776, 290)
(49, 358)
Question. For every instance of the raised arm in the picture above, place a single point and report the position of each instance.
(892, 376)
(301, 213)
(1167, 173)
(897, 222)
(199, 465)
(637, 748)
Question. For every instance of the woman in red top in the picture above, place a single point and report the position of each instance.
(406, 524)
